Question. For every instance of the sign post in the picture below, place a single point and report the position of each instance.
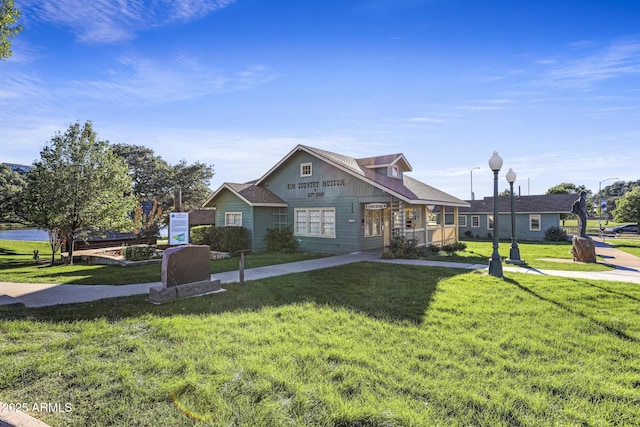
(179, 228)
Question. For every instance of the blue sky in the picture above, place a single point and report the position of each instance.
(553, 86)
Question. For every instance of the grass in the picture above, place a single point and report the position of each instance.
(365, 344)
(537, 255)
(17, 265)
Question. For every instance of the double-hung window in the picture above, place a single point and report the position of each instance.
(306, 169)
(534, 223)
(233, 219)
(318, 222)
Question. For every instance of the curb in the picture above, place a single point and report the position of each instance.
(18, 419)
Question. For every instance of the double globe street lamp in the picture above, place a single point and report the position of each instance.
(495, 263)
(514, 253)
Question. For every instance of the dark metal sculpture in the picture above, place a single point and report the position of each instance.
(579, 208)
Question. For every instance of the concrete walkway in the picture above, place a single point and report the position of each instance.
(627, 269)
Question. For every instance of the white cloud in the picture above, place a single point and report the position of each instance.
(109, 21)
(619, 59)
(140, 80)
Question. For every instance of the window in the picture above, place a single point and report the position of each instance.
(489, 222)
(395, 172)
(372, 223)
(462, 220)
(233, 219)
(306, 169)
(315, 222)
(475, 221)
(534, 223)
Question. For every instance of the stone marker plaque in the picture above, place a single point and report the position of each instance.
(185, 264)
(186, 272)
(584, 250)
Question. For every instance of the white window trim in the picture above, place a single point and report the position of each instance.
(321, 227)
(490, 222)
(226, 219)
(477, 217)
(302, 166)
(539, 217)
(462, 220)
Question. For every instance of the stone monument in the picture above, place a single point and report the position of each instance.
(583, 248)
(185, 272)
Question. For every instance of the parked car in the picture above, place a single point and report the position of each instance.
(629, 228)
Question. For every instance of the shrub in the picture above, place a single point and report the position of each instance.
(207, 235)
(139, 252)
(555, 234)
(221, 239)
(281, 240)
(234, 239)
(401, 247)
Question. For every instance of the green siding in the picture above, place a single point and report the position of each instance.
(229, 202)
(262, 220)
(328, 187)
(547, 220)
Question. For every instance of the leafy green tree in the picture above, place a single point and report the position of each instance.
(150, 174)
(77, 186)
(9, 27)
(568, 188)
(11, 185)
(153, 178)
(628, 207)
(193, 183)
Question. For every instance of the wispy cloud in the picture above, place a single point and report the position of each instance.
(141, 80)
(619, 59)
(424, 120)
(109, 21)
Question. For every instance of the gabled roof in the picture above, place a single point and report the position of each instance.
(407, 189)
(546, 203)
(202, 216)
(251, 194)
(384, 161)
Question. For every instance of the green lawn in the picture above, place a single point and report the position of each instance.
(365, 344)
(17, 265)
(535, 254)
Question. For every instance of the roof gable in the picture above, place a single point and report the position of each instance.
(385, 161)
(250, 193)
(407, 189)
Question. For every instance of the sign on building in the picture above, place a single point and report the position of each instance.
(375, 206)
(179, 228)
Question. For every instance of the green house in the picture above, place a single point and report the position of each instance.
(337, 204)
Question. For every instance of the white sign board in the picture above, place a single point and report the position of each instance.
(179, 228)
(375, 206)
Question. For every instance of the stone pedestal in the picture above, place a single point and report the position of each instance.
(185, 272)
(584, 250)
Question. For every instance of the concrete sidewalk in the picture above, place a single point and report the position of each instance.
(42, 295)
(627, 269)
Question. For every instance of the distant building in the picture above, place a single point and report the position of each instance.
(336, 203)
(533, 216)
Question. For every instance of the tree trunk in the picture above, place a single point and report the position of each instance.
(70, 241)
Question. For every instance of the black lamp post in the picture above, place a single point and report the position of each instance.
(514, 253)
(495, 263)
